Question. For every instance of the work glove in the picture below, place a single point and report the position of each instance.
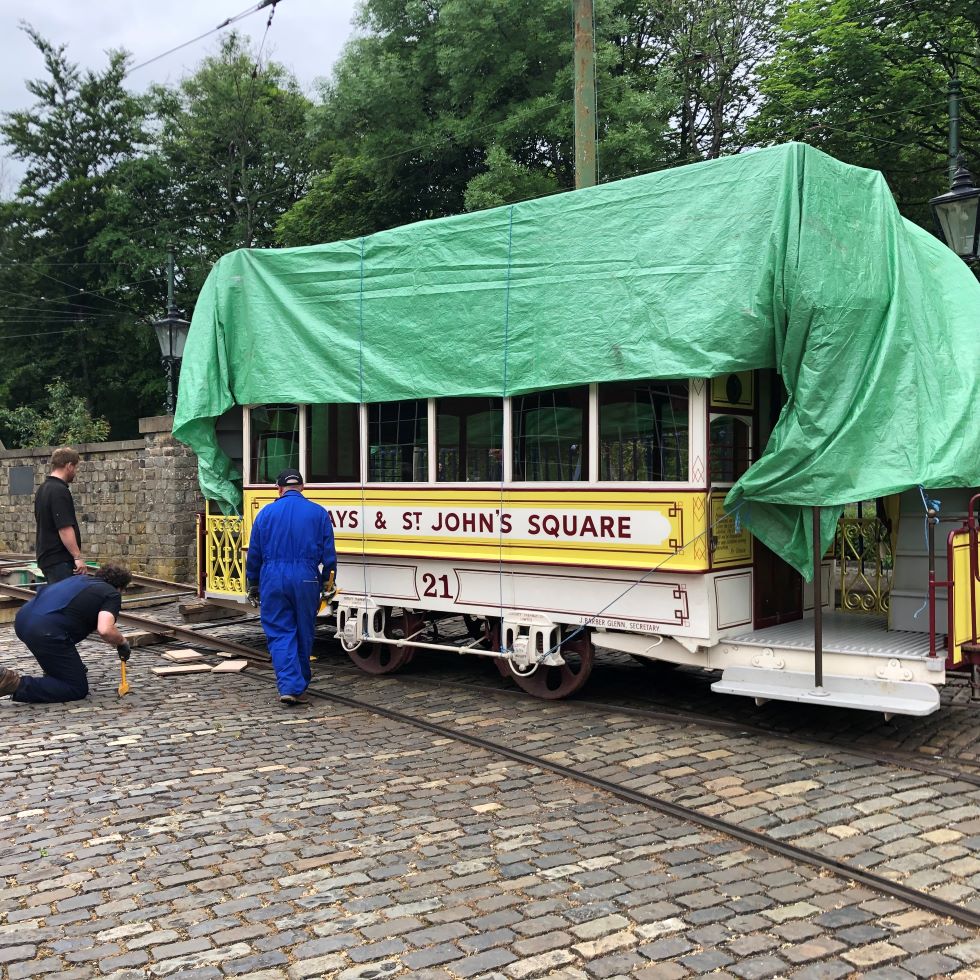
(124, 650)
(252, 594)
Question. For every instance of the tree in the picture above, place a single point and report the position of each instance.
(68, 421)
(867, 82)
(66, 311)
(444, 102)
(235, 148)
(711, 51)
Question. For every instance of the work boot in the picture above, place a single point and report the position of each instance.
(292, 700)
(9, 681)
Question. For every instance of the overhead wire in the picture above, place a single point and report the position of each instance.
(200, 37)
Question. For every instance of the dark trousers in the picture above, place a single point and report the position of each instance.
(64, 673)
(58, 572)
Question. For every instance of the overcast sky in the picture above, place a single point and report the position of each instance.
(306, 36)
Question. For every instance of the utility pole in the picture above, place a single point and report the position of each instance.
(585, 101)
(954, 127)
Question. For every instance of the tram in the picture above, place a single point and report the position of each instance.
(571, 431)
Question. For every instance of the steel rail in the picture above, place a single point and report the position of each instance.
(754, 838)
(918, 763)
(12, 561)
(907, 761)
(155, 626)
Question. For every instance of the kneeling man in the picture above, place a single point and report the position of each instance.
(58, 617)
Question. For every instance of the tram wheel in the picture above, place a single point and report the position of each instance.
(383, 658)
(555, 683)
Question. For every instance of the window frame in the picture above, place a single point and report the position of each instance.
(698, 448)
(747, 419)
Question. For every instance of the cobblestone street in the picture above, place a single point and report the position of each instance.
(198, 829)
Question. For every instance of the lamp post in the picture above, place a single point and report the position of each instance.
(171, 333)
(958, 216)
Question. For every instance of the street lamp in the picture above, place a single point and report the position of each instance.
(171, 332)
(958, 216)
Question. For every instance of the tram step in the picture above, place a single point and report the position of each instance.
(863, 693)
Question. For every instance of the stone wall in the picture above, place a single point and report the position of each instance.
(136, 501)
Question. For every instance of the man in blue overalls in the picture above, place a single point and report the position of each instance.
(59, 616)
(291, 558)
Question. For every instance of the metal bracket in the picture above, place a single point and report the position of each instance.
(359, 618)
(529, 640)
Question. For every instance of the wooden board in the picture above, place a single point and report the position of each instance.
(230, 667)
(182, 656)
(182, 669)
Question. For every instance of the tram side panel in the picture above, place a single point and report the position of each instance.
(656, 574)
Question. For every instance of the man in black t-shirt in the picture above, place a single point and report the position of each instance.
(57, 618)
(58, 545)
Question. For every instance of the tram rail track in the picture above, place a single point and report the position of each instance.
(808, 856)
(936, 764)
(884, 885)
(905, 760)
(794, 852)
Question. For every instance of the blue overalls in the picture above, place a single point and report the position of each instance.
(44, 628)
(291, 538)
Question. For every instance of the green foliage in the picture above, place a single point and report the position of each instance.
(867, 82)
(111, 181)
(505, 181)
(69, 308)
(449, 104)
(68, 421)
(235, 149)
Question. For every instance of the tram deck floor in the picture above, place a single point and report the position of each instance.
(843, 633)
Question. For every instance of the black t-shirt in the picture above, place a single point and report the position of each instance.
(54, 509)
(81, 615)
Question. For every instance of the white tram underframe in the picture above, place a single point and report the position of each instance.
(550, 653)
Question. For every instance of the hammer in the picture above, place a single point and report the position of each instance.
(123, 650)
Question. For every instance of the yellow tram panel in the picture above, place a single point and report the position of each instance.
(964, 589)
(608, 528)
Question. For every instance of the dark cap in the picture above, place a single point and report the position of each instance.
(289, 478)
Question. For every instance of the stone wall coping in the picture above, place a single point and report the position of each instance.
(156, 423)
(44, 452)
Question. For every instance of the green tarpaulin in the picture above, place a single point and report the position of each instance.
(780, 258)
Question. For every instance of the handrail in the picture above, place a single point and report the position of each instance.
(971, 523)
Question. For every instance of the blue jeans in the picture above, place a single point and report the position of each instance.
(64, 673)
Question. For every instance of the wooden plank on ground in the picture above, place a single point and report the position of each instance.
(182, 669)
(182, 656)
(230, 667)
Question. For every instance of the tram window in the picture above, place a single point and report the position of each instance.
(551, 435)
(275, 441)
(643, 431)
(730, 447)
(470, 434)
(398, 442)
(333, 437)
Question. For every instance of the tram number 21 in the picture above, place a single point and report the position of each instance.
(435, 586)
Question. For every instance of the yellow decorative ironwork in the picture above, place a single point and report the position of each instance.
(225, 558)
(865, 563)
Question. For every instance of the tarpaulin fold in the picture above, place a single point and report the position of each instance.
(783, 258)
